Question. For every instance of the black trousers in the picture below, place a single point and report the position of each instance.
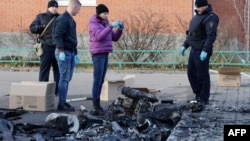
(198, 75)
(48, 60)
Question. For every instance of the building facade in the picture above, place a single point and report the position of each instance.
(16, 15)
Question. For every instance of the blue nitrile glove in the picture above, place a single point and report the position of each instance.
(183, 50)
(62, 56)
(115, 24)
(121, 26)
(77, 59)
(203, 56)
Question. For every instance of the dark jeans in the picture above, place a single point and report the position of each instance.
(47, 59)
(100, 64)
(198, 75)
(66, 69)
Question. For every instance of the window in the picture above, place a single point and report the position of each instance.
(83, 2)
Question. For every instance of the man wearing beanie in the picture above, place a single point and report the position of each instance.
(201, 3)
(201, 35)
(47, 59)
(102, 34)
(52, 3)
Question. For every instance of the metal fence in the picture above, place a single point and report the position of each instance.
(172, 58)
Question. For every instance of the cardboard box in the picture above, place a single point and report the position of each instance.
(110, 88)
(32, 103)
(47, 88)
(32, 95)
(229, 77)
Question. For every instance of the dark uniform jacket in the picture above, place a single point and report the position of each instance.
(202, 31)
(39, 24)
(64, 33)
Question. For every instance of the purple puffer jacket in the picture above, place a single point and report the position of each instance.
(101, 35)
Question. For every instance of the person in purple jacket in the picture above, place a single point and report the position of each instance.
(101, 36)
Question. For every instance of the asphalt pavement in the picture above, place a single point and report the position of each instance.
(228, 105)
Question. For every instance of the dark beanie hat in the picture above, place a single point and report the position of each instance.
(101, 8)
(52, 3)
(200, 3)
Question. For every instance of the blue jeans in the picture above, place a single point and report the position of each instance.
(100, 64)
(66, 69)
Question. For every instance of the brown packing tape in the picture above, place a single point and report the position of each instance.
(229, 70)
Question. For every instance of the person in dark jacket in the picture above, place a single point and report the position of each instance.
(65, 38)
(101, 36)
(201, 36)
(47, 59)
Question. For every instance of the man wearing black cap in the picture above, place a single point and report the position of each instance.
(47, 59)
(201, 35)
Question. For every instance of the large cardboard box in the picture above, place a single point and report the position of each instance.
(229, 77)
(32, 95)
(110, 88)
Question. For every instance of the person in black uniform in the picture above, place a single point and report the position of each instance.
(201, 35)
(47, 59)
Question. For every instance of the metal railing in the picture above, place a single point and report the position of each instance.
(171, 58)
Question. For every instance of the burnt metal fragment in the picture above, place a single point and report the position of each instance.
(6, 130)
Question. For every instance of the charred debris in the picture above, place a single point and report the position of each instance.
(136, 116)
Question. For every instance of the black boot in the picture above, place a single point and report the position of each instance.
(97, 107)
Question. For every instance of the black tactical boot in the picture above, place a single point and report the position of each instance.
(65, 107)
(97, 107)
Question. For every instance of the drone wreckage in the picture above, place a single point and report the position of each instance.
(136, 116)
